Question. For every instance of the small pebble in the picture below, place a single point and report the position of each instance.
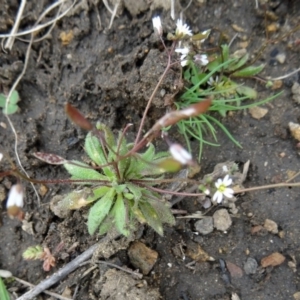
(142, 257)
(234, 270)
(205, 225)
(289, 81)
(281, 57)
(296, 92)
(274, 259)
(296, 296)
(271, 226)
(250, 266)
(282, 154)
(295, 130)
(222, 220)
(2, 193)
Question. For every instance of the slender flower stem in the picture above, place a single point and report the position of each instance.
(172, 192)
(268, 186)
(151, 98)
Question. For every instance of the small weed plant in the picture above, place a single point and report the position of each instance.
(121, 182)
(119, 187)
(213, 77)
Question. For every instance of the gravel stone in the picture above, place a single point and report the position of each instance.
(281, 57)
(205, 225)
(222, 219)
(250, 266)
(271, 226)
(296, 92)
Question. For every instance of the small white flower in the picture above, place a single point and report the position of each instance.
(202, 59)
(15, 196)
(223, 189)
(211, 81)
(182, 29)
(180, 154)
(157, 25)
(184, 52)
(207, 192)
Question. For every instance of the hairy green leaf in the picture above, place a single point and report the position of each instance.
(225, 52)
(107, 224)
(247, 91)
(100, 210)
(249, 71)
(163, 210)
(123, 149)
(108, 135)
(239, 63)
(94, 149)
(135, 190)
(84, 172)
(121, 215)
(151, 217)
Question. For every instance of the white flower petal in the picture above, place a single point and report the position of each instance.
(184, 50)
(182, 29)
(227, 180)
(202, 59)
(218, 196)
(218, 183)
(180, 154)
(184, 63)
(228, 193)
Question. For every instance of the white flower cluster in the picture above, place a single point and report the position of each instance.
(182, 30)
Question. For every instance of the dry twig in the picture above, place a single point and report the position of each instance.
(10, 41)
(55, 295)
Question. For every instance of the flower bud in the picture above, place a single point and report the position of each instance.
(15, 202)
(180, 154)
(157, 25)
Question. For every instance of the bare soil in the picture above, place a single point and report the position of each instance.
(109, 75)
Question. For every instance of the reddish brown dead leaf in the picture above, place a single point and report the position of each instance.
(274, 259)
(76, 117)
(174, 117)
(50, 158)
